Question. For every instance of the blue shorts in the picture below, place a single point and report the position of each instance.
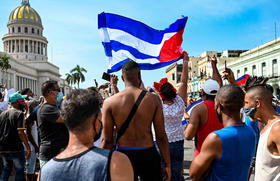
(31, 163)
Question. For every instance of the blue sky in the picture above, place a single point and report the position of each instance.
(214, 25)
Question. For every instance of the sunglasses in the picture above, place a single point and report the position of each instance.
(58, 90)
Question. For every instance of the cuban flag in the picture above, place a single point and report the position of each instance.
(190, 108)
(242, 80)
(124, 38)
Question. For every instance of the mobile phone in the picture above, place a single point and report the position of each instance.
(225, 64)
(106, 76)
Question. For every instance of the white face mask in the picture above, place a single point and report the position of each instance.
(31, 98)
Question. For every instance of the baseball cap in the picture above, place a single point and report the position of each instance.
(16, 96)
(210, 87)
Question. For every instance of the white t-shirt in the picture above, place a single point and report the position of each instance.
(173, 115)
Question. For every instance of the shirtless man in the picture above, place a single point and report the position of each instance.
(137, 141)
(258, 105)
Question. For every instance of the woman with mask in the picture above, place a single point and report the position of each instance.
(173, 103)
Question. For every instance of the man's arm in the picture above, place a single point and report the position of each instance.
(59, 120)
(210, 151)
(216, 75)
(30, 137)
(121, 168)
(114, 83)
(20, 122)
(161, 137)
(23, 138)
(275, 135)
(195, 120)
(182, 91)
(107, 140)
(229, 75)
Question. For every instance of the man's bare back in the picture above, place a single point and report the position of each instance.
(117, 108)
(137, 139)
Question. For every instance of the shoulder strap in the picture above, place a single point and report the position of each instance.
(130, 116)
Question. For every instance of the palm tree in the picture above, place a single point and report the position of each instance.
(5, 64)
(69, 79)
(77, 75)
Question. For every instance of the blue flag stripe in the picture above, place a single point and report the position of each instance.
(143, 66)
(116, 46)
(139, 30)
(193, 104)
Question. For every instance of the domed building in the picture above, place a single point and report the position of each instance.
(28, 51)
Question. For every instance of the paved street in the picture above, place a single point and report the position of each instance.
(188, 157)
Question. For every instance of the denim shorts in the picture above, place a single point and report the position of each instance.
(31, 163)
(177, 157)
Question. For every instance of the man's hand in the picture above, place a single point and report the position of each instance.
(212, 59)
(166, 171)
(185, 56)
(229, 75)
(113, 80)
(103, 86)
(28, 153)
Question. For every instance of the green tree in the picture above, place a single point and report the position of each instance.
(4, 63)
(69, 79)
(77, 75)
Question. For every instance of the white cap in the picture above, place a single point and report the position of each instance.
(210, 87)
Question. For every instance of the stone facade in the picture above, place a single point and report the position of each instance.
(26, 47)
(260, 61)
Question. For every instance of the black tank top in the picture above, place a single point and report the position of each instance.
(93, 164)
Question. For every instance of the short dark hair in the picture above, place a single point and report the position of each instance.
(167, 91)
(24, 91)
(255, 81)
(259, 88)
(47, 87)
(129, 66)
(78, 107)
(211, 97)
(232, 97)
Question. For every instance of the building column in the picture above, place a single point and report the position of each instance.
(41, 52)
(35, 46)
(33, 51)
(46, 50)
(8, 46)
(23, 45)
(15, 81)
(16, 48)
(38, 48)
(4, 46)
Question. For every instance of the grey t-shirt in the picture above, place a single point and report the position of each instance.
(54, 136)
(91, 165)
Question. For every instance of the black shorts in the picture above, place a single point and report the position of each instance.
(145, 163)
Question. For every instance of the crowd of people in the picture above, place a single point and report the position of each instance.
(137, 133)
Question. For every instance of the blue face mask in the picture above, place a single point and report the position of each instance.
(250, 111)
(59, 97)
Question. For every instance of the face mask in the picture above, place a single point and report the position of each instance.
(59, 97)
(219, 116)
(98, 135)
(21, 107)
(250, 111)
(31, 98)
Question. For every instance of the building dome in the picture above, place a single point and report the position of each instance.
(24, 40)
(25, 14)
